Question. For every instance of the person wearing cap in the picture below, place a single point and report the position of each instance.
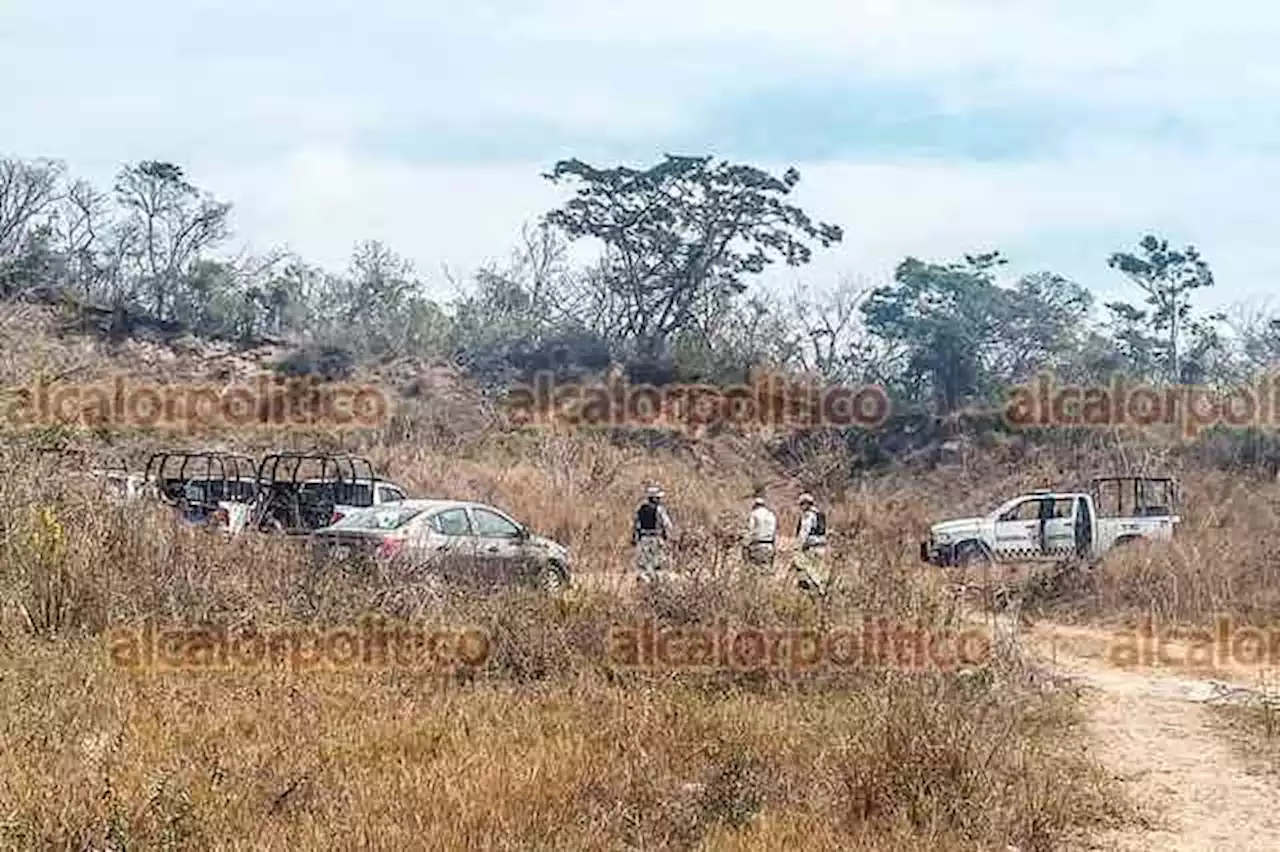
(811, 546)
(762, 535)
(650, 532)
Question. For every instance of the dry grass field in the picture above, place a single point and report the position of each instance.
(551, 741)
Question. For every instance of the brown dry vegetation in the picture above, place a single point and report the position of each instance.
(550, 744)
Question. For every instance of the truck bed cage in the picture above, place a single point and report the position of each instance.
(297, 467)
(297, 491)
(1147, 496)
(222, 476)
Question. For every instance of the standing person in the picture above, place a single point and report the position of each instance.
(650, 532)
(762, 536)
(809, 560)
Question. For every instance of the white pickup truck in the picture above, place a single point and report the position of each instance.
(1058, 525)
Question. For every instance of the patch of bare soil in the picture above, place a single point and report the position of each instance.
(1153, 729)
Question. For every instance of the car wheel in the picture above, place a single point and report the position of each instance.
(553, 578)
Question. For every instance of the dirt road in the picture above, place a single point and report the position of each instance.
(1153, 729)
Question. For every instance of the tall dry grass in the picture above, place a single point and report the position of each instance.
(550, 743)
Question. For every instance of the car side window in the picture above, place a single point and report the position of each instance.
(451, 522)
(492, 525)
(1027, 510)
(387, 494)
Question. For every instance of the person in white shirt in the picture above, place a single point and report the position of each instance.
(762, 536)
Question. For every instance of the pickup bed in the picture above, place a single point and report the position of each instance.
(1057, 525)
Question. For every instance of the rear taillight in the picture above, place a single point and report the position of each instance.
(222, 518)
(390, 547)
(337, 516)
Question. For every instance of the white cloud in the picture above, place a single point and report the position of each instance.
(319, 202)
(315, 118)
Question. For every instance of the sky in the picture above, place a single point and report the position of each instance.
(1054, 132)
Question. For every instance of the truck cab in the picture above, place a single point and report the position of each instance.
(1048, 525)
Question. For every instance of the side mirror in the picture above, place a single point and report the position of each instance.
(523, 534)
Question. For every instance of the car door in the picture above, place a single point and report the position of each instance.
(1018, 531)
(500, 545)
(1060, 529)
(447, 542)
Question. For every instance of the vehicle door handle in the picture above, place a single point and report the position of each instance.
(493, 548)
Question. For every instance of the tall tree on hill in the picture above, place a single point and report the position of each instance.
(682, 234)
(1168, 278)
(29, 194)
(169, 224)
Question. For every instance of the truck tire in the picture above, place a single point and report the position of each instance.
(970, 554)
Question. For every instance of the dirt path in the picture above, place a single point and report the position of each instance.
(1153, 730)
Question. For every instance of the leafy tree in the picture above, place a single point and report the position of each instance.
(1168, 278)
(963, 335)
(680, 233)
(1040, 322)
(379, 307)
(942, 315)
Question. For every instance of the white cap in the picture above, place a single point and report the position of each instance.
(653, 491)
(758, 501)
(805, 498)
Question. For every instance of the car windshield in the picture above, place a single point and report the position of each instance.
(377, 519)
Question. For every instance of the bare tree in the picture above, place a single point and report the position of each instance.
(29, 190)
(84, 234)
(1256, 329)
(828, 327)
(170, 224)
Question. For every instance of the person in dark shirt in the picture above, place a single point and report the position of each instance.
(650, 533)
